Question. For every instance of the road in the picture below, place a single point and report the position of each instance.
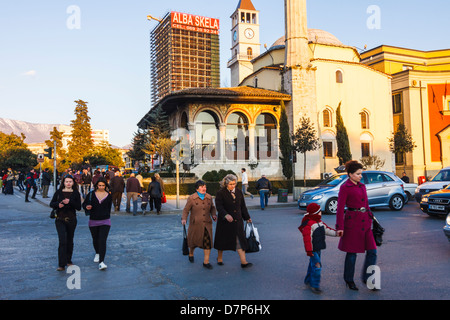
(145, 261)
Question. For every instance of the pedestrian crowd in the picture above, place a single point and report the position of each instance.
(228, 210)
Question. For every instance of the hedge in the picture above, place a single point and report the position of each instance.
(213, 187)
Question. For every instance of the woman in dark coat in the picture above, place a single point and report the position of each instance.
(66, 200)
(354, 224)
(232, 212)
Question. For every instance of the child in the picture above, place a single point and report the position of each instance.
(314, 232)
(144, 201)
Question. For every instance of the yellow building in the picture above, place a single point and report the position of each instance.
(421, 100)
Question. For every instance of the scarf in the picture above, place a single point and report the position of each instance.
(201, 195)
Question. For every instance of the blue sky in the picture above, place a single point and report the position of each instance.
(45, 66)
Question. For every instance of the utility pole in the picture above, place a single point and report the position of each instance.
(54, 166)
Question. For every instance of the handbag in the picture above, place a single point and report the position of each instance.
(163, 198)
(53, 214)
(377, 231)
(185, 244)
(252, 240)
(88, 212)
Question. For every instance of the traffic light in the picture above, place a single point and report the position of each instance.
(48, 152)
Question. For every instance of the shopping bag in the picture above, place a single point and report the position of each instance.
(251, 233)
(185, 244)
(163, 198)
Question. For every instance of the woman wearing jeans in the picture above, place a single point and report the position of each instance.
(66, 200)
(98, 203)
(354, 224)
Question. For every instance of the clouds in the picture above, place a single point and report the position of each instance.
(30, 73)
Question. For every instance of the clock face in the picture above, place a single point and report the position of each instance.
(249, 33)
(235, 36)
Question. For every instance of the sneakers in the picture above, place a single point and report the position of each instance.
(102, 266)
(97, 258)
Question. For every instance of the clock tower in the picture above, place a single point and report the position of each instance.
(245, 44)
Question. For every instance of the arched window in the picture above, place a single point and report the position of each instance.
(236, 138)
(266, 135)
(326, 114)
(364, 120)
(184, 121)
(339, 77)
(207, 136)
(249, 52)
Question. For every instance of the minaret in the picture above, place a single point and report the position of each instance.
(300, 79)
(245, 44)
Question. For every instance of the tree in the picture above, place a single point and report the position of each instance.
(343, 144)
(14, 152)
(401, 142)
(104, 154)
(81, 141)
(304, 140)
(139, 142)
(285, 144)
(159, 134)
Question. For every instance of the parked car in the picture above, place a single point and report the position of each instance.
(438, 182)
(436, 203)
(383, 189)
(447, 227)
(410, 190)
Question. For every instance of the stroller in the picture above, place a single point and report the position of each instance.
(145, 198)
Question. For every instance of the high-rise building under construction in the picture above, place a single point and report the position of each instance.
(184, 54)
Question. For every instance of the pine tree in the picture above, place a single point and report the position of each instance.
(304, 140)
(81, 141)
(401, 142)
(285, 144)
(343, 144)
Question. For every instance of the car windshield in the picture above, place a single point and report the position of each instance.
(334, 180)
(443, 175)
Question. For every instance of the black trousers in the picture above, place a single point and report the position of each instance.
(99, 237)
(157, 202)
(27, 192)
(66, 232)
(116, 199)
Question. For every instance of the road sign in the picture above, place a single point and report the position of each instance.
(40, 158)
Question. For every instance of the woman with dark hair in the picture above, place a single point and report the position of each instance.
(230, 234)
(201, 207)
(66, 200)
(98, 205)
(354, 224)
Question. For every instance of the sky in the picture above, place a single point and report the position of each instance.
(53, 52)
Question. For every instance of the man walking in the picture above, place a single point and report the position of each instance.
(46, 179)
(30, 183)
(117, 185)
(86, 178)
(133, 190)
(264, 187)
(245, 183)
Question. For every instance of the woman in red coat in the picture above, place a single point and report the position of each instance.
(354, 224)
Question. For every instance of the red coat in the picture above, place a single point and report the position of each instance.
(357, 225)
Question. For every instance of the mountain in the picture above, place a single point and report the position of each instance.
(34, 132)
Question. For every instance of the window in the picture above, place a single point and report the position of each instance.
(365, 149)
(328, 149)
(397, 103)
(364, 120)
(339, 77)
(237, 140)
(206, 136)
(249, 52)
(266, 135)
(326, 114)
(374, 178)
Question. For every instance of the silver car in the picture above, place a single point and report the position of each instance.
(383, 189)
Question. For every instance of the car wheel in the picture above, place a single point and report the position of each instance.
(331, 206)
(397, 202)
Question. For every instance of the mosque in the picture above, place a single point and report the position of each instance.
(311, 73)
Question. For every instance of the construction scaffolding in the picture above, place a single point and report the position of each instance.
(182, 59)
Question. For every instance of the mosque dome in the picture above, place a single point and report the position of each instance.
(315, 36)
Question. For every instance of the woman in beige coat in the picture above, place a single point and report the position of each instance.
(203, 212)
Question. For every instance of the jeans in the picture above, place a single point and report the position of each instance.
(314, 272)
(263, 198)
(349, 266)
(244, 190)
(134, 196)
(66, 231)
(99, 236)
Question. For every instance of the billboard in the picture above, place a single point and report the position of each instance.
(195, 23)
